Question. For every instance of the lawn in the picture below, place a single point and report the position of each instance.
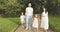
(55, 22)
(8, 24)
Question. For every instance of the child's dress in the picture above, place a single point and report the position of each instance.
(35, 23)
(22, 17)
(44, 20)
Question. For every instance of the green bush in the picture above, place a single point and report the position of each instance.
(11, 7)
(14, 7)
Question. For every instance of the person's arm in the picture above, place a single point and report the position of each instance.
(25, 19)
(26, 12)
(32, 11)
(47, 13)
(43, 15)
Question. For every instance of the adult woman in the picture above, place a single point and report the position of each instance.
(44, 20)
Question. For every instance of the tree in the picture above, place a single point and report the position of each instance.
(11, 7)
(53, 7)
(14, 7)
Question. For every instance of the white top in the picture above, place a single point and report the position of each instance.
(29, 11)
(22, 17)
(45, 15)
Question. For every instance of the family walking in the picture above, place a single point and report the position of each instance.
(33, 21)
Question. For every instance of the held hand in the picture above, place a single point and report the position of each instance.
(43, 16)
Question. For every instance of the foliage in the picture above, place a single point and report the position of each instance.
(53, 6)
(11, 7)
(14, 7)
(54, 21)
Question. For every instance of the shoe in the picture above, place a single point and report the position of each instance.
(26, 28)
(29, 28)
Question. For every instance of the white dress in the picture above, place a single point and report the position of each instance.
(35, 23)
(22, 17)
(44, 20)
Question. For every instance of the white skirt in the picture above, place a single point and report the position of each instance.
(22, 21)
(35, 24)
(44, 23)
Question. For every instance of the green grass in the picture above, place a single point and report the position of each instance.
(8, 24)
(55, 22)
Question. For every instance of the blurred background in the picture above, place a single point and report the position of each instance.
(14, 7)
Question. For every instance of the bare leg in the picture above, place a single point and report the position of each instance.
(45, 30)
(37, 30)
(22, 26)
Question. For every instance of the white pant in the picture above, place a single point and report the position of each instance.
(28, 21)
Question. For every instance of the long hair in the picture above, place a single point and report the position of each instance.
(45, 9)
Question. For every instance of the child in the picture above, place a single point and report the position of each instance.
(22, 17)
(35, 23)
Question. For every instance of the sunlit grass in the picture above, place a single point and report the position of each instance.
(8, 24)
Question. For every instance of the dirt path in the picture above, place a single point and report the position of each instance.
(21, 29)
